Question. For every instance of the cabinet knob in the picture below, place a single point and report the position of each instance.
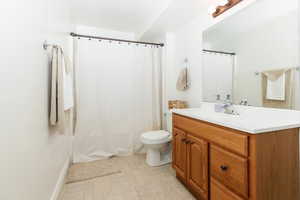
(183, 140)
(223, 167)
(188, 142)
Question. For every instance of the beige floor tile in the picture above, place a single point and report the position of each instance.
(79, 191)
(119, 186)
(137, 181)
(86, 171)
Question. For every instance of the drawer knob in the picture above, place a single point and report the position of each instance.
(223, 167)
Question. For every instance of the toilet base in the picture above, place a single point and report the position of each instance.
(155, 158)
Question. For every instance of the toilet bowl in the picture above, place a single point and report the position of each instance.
(158, 145)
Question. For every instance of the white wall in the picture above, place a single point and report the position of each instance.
(31, 155)
(189, 45)
(104, 32)
(186, 42)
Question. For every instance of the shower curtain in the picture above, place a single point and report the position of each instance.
(119, 97)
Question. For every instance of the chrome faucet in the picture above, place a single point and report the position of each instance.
(226, 107)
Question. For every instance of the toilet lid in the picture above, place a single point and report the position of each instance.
(156, 135)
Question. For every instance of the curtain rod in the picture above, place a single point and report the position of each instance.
(114, 39)
(221, 52)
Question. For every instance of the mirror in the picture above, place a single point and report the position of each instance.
(253, 56)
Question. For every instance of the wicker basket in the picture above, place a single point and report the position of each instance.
(177, 104)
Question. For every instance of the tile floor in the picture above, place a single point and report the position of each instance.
(137, 181)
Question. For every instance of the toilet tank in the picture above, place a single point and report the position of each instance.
(168, 115)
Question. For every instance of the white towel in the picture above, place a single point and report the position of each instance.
(57, 115)
(53, 98)
(183, 81)
(62, 90)
(276, 88)
(68, 87)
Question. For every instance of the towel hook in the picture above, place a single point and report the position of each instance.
(186, 62)
(46, 45)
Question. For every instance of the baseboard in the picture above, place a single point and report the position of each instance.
(61, 181)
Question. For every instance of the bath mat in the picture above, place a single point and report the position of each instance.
(86, 171)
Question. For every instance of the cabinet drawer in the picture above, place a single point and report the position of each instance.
(230, 169)
(220, 192)
(227, 138)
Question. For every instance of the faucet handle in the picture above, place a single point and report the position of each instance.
(228, 97)
(244, 102)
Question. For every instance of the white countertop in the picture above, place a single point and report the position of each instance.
(252, 120)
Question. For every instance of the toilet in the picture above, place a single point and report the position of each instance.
(158, 145)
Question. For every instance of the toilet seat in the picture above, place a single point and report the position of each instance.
(155, 137)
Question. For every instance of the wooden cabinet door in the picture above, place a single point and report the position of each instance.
(197, 165)
(179, 152)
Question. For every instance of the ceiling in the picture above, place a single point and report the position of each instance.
(146, 18)
(121, 15)
(179, 13)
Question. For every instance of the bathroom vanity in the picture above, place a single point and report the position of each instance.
(252, 156)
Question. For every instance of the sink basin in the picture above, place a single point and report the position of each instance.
(250, 119)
